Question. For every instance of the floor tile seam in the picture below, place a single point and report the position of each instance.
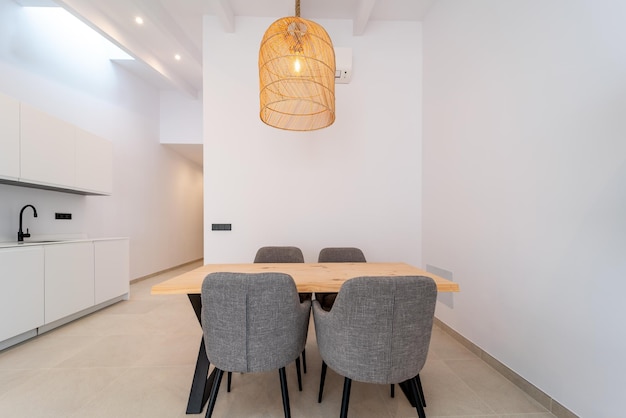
(96, 394)
(486, 414)
(66, 354)
(44, 370)
(120, 314)
(134, 333)
(20, 385)
(499, 415)
(475, 357)
(13, 369)
(509, 382)
(466, 350)
(484, 355)
(190, 366)
(524, 414)
(480, 398)
(96, 367)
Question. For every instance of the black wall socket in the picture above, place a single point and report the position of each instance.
(62, 215)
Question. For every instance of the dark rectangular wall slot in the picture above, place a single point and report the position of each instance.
(62, 215)
(220, 227)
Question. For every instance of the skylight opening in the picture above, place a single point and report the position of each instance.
(65, 27)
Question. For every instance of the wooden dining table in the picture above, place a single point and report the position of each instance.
(309, 278)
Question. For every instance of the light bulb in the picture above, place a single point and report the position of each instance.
(296, 65)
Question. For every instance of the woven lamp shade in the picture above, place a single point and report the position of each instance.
(297, 75)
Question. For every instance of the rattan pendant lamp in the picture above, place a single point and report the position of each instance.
(297, 75)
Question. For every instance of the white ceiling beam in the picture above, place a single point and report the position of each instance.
(363, 13)
(225, 14)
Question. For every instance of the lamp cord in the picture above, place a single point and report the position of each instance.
(297, 8)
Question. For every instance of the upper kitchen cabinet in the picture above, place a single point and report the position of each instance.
(48, 149)
(9, 138)
(59, 156)
(94, 163)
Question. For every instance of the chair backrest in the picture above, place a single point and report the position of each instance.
(379, 328)
(279, 255)
(341, 255)
(245, 330)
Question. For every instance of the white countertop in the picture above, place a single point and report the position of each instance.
(48, 241)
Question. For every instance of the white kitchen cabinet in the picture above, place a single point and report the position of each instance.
(48, 149)
(94, 163)
(22, 295)
(42, 151)
(69, 278)
(9, 138)
(111, 269)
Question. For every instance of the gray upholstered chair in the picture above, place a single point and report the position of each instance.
(337, 255)
(277, 254)
(246, 331)
(378, 331)
(349, 255)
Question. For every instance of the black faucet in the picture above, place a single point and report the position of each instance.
(20, 234)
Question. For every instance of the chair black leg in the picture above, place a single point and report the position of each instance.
(420, 390)
(322, 378)
(214, 390)
(283, 387)
(418, 401)
(304, 360)
(393, 390)
(230, 377)
(299, 375)
(346, 397)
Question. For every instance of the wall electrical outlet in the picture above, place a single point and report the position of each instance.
(221, 227)
(62, 215)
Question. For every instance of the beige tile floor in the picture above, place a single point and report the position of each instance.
(136, 358)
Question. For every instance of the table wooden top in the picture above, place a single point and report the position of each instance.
(309, 277)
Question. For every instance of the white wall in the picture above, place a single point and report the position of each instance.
(157, 195)
(355, 183)
(181, 118)
(525, 187)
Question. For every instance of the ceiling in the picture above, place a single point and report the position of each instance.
(174, 27)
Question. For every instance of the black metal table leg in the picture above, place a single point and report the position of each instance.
(201, 385)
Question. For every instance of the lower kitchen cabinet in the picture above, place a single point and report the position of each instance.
(69, 278)
(45, 286)
(111, 269)
(22, 294)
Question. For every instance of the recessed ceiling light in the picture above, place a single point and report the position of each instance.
(139, 20)
(177, 57)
